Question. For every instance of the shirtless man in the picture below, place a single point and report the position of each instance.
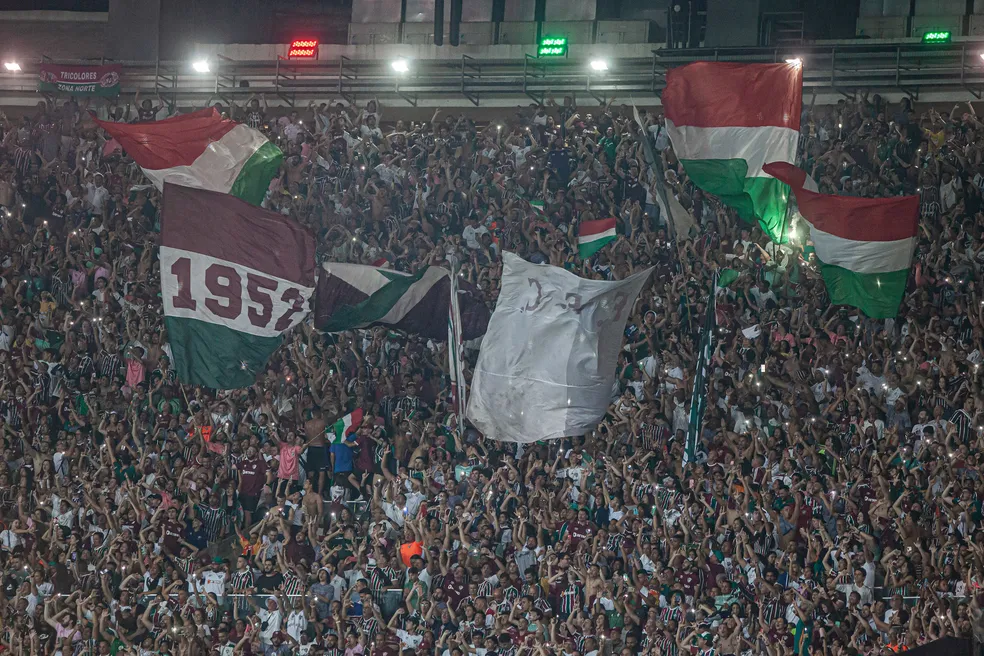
(317, 458)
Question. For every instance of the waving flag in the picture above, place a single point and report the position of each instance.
(593, 235)
(357, 296)
(864, 245)
(726, 122)
(347, 424)
(234, 279)
(201, 150)
(698, 399)
(522, 392)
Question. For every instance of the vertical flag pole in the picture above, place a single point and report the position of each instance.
(454, 348)
(698, 399)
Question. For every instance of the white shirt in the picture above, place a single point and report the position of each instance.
(296, 624)
(96, 197)
(409, 640)
(472, 236)
(272, 620)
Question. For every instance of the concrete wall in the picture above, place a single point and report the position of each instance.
(133, 29)
(27, 35)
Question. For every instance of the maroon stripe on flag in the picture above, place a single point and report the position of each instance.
(175, 141)
(227, 228)
(858, 219)
(589, 228)
(719, 95)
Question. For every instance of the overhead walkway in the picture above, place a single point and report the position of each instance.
(951, 72)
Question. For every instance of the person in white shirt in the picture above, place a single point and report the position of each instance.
(96, 194)
(473, 232)
(270, 618)
(296, 620)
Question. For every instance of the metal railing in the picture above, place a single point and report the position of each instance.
(842, 68)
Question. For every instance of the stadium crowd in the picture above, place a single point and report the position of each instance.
(835, 507)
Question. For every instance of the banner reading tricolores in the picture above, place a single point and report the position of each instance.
(80, 80)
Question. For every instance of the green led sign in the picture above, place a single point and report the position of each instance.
(936, 37)
(552, 46)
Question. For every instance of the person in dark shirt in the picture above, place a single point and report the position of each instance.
(270, 579)
(559, 159)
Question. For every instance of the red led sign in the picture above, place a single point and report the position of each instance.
(303, 49)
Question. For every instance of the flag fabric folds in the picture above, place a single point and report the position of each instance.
(698, 399)
(593, 235)
(547, 364)
(726, 121)
(234, 279)
(346, 425)
(864, 246)
(353, 296)
(201, 150)
(456, 343)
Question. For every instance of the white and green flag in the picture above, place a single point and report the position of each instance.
(698, 399)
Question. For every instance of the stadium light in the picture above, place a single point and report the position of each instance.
(400, 65)
(303, 49)
(795, 61)
(201, 66)
(938, 36)
(12, 66)
(599, 65)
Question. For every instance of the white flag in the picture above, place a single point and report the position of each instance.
(548, 360)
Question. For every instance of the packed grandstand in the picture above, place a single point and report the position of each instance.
(833, 506)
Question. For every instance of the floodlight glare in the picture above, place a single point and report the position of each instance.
(401, 65)
(201, 66)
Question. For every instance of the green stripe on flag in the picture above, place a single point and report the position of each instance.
(376, 306)
(727, 276)
(589, 248)
(216, 356)
(254, 178)
(878, 295)
(698, 400)
(763, 199)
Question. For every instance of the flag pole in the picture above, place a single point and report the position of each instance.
(454, 347)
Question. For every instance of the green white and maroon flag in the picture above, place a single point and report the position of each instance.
(593, 235)
(234, 279)
(726, 122)
(201, 150)
(351, 296)
(864, 246)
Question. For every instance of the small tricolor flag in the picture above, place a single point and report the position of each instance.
(593, 235)
(346, 425)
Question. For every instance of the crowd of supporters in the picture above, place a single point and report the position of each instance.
(835, 506)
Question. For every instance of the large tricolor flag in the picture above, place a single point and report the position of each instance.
(353, 296)
(234, 279)
(864, 245)
(201, 150)
(593, 235)
(726, 122)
